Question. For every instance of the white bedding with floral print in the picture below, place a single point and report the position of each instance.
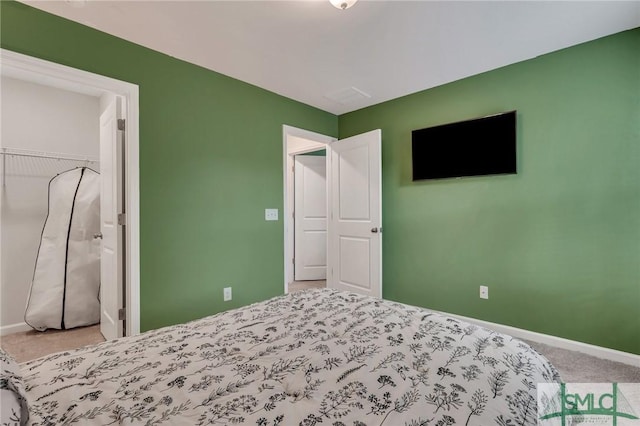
(317, 357)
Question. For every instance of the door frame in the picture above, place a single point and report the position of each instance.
(295, 141)
(28, 68)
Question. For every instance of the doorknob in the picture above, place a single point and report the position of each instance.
(374, 230)
(98, 235)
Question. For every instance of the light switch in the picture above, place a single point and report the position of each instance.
(270, 214)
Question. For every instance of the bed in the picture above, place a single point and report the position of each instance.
(318, 357)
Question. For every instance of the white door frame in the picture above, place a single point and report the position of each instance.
(23, 67)
(295, 141)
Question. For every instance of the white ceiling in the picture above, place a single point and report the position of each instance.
(307, 49)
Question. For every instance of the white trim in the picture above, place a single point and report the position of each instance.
(132, 175)
(312, 142)
(14, 328)
(558, 342)
(51, 74)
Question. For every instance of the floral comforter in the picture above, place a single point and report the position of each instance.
(318, 357)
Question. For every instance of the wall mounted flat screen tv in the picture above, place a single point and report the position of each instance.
(481, 146)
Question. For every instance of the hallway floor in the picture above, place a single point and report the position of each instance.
(305, 285)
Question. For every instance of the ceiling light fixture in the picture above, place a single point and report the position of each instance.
(343, 4)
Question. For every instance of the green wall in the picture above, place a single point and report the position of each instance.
(210, 163)
(558, 244)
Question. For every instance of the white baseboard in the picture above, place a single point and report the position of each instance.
(558, 342)
(14, 328)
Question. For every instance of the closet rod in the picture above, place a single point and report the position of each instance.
(43, 154)
(39, 154)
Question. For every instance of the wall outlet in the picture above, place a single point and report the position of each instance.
(270, 214)
(226, 292)
(484, 292)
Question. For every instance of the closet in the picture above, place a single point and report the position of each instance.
(45, 131)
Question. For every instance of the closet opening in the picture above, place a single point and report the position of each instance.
(69, 207)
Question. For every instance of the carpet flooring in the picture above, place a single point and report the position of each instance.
(576, 367)
(305, 285)
(27, 345)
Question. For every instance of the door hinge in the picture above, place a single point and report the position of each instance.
(122, 314)
(122, 219)
(121, 123)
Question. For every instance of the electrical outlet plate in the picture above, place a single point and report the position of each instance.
(484, 292)
(270, 214)
(227, 293)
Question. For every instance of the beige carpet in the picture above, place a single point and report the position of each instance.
(305, 285)
(576, 367)
(28, 345)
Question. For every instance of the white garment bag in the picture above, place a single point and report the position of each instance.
(66, 280)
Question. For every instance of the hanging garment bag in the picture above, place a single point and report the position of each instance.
(66, 280)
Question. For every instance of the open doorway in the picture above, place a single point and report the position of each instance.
(353, 209)
(305, 152)
(310, 221)
(30, 159)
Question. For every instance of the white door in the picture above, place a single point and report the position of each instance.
(111, 196)
(310, 218)
(355, 232)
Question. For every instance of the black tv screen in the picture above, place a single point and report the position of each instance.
(482, 146)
